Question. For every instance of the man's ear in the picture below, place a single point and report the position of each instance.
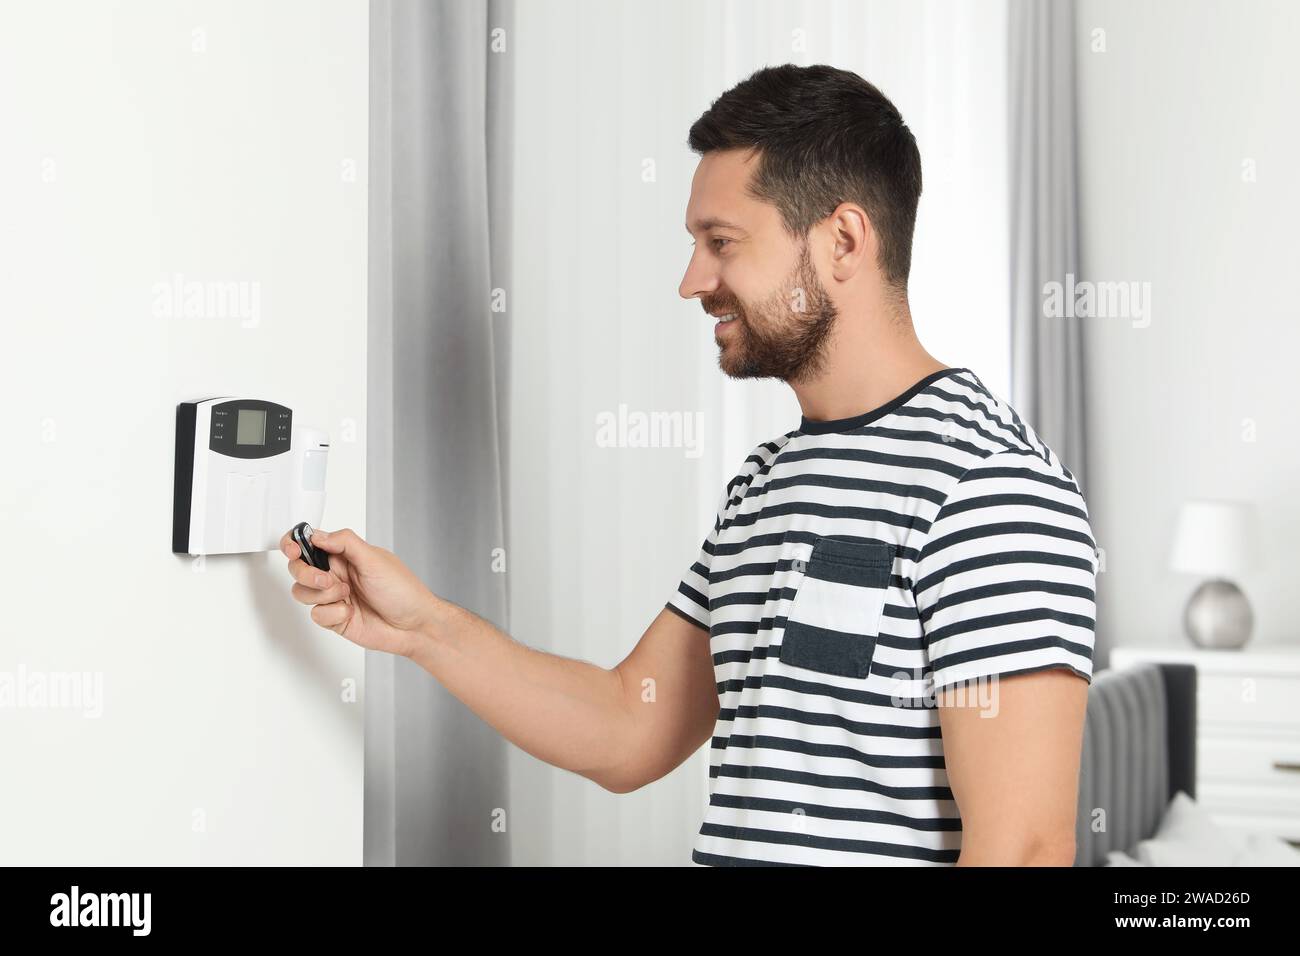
(854, 244)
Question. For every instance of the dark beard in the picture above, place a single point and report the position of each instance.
(776, 342)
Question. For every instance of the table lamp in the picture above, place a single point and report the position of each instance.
(1216, 540)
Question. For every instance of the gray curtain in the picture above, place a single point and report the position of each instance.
(438, 370)
(1047, 373)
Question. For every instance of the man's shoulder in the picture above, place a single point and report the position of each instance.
(761, 456)
(984, 423)
(758, 460)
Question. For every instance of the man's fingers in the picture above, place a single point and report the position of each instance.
(289, 547)
(310, 577)
(306, 595)
(331, 615)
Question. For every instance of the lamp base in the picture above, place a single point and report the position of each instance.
(1218, 616)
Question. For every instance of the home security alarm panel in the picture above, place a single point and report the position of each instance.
(244, 475)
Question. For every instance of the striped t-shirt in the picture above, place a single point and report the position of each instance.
(854, 568)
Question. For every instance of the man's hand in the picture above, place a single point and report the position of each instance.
(591, 720)
(368, 595)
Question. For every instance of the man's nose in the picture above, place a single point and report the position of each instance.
(700, 279)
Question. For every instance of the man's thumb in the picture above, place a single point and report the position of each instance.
(345, 541)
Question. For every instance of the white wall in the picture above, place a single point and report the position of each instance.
(600, 536)
(143, 140)
(1200, 403)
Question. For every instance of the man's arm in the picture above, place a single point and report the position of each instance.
(621, 728)
(1005, 585)
(1012, 748)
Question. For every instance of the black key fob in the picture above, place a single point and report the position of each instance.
(317, 558)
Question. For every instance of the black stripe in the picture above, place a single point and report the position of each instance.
(998, 559)
(1003, 500)
(695, 596)
(829, 843)
(916, 435)
(835, 751)
(901, 612)
(684, 616)
(998, 471)
(809, 537)
(1020, 670)
(850, 483)
(742, 627)
(876, 458)
(1007, 618)
(737, 656)
(998, 528)
(824, 781)
(860, 727)
(755, 569)
(713, 859)
(769, 568)
(741, 655)
(1007, 587)
(858, 814)
(759, 598)
(753, 541)
(849, 512)
(1007, 648)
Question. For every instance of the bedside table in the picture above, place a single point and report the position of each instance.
(1248, 733)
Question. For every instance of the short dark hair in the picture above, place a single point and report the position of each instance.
(824, 136)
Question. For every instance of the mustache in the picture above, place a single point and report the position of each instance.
(721, 307)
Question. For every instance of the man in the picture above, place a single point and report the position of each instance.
(887, 635)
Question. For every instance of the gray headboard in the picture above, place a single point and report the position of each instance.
(1139, 749)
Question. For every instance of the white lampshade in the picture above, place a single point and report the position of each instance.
(1214, 538)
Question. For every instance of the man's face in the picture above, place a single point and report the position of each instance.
(746, 265)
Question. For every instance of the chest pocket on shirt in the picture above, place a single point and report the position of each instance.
(834, 621)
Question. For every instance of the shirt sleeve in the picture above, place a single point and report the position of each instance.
(1005, 582)
(691, 599)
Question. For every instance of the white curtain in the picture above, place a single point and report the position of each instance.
(1048, 370)
(438, 361)
(604, 93)
(493, 428)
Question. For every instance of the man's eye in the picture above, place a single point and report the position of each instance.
(716, 240)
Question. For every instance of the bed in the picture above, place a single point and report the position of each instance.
(1139, 749)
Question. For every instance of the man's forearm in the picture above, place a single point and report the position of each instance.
(566, 712)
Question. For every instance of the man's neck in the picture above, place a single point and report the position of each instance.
(867, 364)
